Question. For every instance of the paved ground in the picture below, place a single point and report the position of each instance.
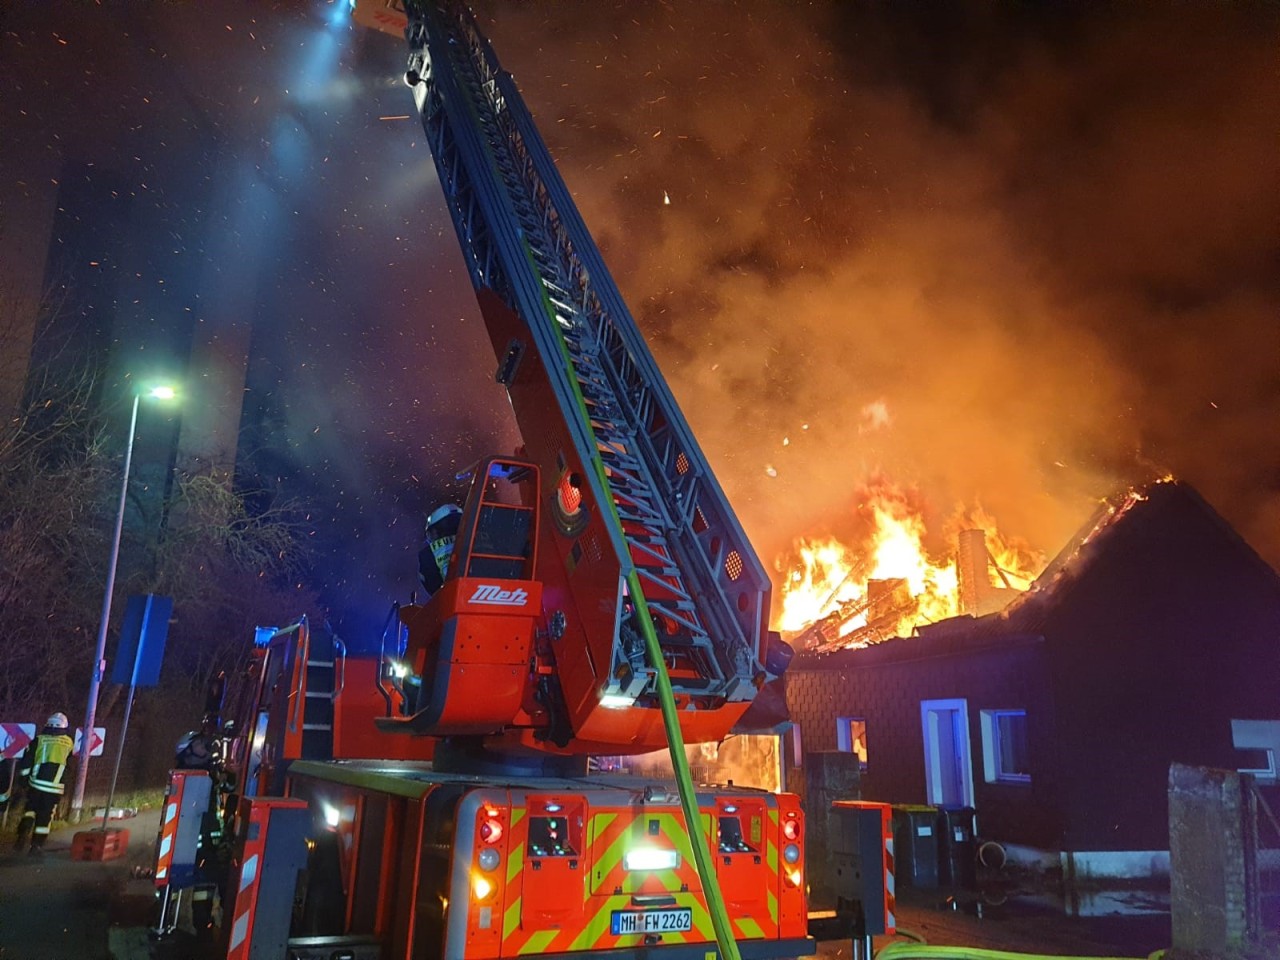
(55, 908)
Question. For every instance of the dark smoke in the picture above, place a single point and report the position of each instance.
(1047, 239)
(1010, 256)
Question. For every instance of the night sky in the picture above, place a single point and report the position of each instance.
(1009, 255)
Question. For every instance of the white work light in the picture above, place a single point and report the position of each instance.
(650, 858)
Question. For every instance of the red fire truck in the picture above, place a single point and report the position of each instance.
(601, 599)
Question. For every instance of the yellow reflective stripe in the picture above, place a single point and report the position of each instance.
(598, 926)
(750, 928)
(52, 750)
(669, 879)
(606, 859)
(673, 827)
(511, 919)
(517, 814)
(669, 825)
(539, 941)
(772, 901)
(611, 856)
(771, 846)
(515, 862)
(702, 921)
(598, 824)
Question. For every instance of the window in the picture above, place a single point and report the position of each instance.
(948, 767)
(851, 737)
(1004, 746)
(1258, 742)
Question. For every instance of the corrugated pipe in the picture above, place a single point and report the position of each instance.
(921, 951)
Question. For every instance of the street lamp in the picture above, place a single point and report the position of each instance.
(99, 659)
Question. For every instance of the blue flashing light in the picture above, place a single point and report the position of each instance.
(341, 12)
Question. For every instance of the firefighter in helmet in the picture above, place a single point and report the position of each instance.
(200, 750)
(43, 767)
(194, 752)
(437, 551)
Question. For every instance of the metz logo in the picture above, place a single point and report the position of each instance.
(492, 593)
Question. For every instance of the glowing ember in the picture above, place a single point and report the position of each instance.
(882, 582)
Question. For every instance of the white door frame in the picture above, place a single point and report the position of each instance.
(929, 711)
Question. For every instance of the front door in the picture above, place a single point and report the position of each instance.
(948, 769)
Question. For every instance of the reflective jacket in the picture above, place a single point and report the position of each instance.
(45, 762)
(433, 562)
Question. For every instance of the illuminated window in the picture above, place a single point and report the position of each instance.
(1004, 746)
(851, 737)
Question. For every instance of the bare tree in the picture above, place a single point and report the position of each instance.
(52, 470)
(227, 566)
(228, 570)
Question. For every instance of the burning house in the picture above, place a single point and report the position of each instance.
(886, 583)
(1153, 637)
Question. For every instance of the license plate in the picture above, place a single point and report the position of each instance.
(651, 921)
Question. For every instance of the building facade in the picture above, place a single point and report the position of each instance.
(1153, 638)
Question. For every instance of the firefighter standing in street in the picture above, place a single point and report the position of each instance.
(43, 767)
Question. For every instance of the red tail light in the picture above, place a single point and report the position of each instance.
(490, 831)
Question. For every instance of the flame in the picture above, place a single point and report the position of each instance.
(883, 581)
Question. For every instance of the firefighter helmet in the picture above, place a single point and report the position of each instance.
(442, 517)
(58, 721)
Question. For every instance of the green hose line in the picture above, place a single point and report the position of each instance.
(666, 697)
(680, 763)
(919, 951)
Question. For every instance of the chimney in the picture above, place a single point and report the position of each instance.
(971, 572)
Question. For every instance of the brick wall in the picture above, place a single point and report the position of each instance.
(886, 686)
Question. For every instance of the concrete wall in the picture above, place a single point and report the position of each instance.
(1212, 858)
(829, 776)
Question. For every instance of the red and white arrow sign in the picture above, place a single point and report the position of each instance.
(15, 738)
(96, 742)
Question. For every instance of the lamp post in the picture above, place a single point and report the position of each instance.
(99, 657)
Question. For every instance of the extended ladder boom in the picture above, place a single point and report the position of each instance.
(628, 486)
